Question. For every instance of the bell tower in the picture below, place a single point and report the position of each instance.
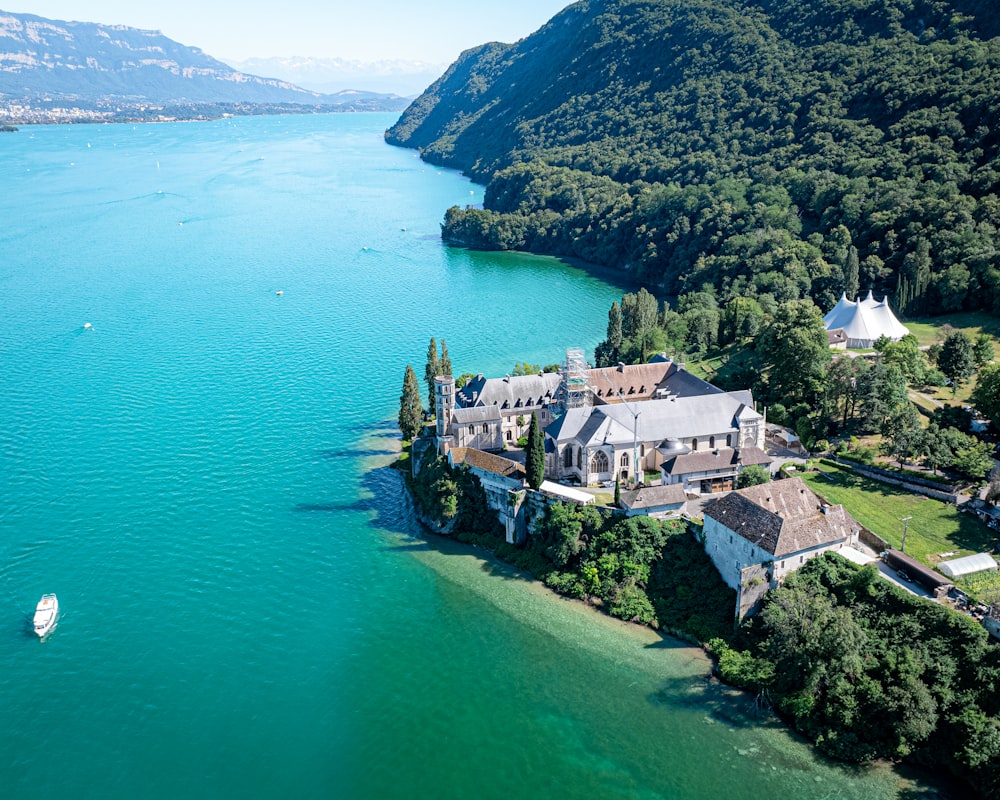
(444, 404)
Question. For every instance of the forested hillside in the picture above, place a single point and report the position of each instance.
(785, 147)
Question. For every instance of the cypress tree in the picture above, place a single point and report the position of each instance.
(444, 366)
(614, 332)
(431, 371)
(535, 457)
(852, 273)
(409, 406)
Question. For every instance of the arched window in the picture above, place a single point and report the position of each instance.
(568, 456)
(624, 459)
(509, 437)
(694, 444)
(711, 443)
(599, 463)
(729, 440)
(579, 458)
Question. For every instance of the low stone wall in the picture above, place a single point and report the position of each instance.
(872, 540)
(911, 484)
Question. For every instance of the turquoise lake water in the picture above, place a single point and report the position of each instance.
(248, 609)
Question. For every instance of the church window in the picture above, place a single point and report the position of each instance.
(599, 463)
(579, 458)
(624, 459)
(568, 456)
(711, 442)
(694, 444)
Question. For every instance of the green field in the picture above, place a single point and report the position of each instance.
(928, 329)
(935, 528)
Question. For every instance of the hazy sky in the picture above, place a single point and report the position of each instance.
(435, 31)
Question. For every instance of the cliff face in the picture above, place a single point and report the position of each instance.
(762, 145)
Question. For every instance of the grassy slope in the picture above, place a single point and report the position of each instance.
(935, 527)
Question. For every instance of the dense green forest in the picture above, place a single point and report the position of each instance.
(867, 671)
(748, 147)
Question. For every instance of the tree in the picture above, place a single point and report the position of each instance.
(993, 485)
(974, 459)
(614, 339)
(982, 350)
(431, 371)
(986, 395)
(841, 389)
(410, 413)
(852, 272)
(882, 389)
(956, 359)
(936, 447)
(444, 366)
(741, 319)
(795, 346)
(535, 456)
(902, 432)
(753, 475)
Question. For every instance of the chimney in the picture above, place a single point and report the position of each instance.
(621, 366)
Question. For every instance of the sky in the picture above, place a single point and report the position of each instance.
(432, 31)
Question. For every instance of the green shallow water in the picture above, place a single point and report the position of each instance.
(248, 609)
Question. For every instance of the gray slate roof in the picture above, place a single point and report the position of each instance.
(654, 496)
(681, 417)
(782, 518)
(713, 460)
(509, 393)
(464, 416)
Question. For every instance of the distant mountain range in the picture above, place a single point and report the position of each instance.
(327, 75)
(50, 68)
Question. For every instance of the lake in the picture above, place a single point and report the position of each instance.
(248, 608)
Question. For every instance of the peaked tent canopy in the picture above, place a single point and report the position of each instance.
(864, 321)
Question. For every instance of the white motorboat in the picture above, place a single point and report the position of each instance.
(45, 614)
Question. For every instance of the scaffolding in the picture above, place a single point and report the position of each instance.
(575, 386)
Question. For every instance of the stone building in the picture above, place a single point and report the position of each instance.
(622, 441)
(757, 536)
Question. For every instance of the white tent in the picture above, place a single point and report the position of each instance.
(960, 567)
(864, 321)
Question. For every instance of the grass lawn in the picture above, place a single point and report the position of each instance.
(934, 528)
(928, 329)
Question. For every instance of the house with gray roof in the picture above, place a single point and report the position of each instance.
(758, 535)
(654, 501)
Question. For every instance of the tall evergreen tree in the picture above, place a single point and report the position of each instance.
(444, 366)
(431, 371)
(410, 412)
(852, 273)
(614, 339)
(535, 456)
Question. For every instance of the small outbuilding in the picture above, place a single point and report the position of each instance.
(654, 501)
(968, 565)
